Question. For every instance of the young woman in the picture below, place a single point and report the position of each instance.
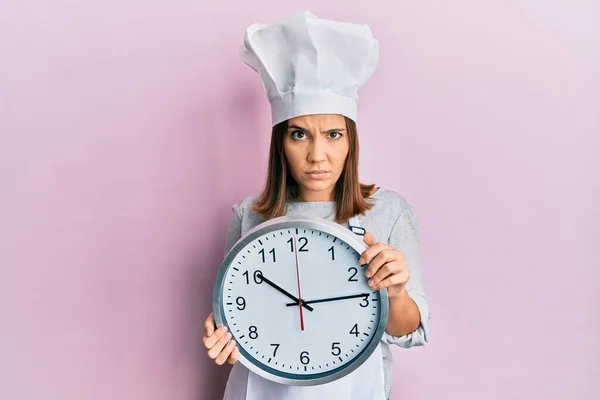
(313, 170)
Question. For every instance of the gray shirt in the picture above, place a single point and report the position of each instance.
(391, 220)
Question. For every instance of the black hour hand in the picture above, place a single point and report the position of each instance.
(282, 290)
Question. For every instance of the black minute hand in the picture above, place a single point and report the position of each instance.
(282, 290)
(354, 296)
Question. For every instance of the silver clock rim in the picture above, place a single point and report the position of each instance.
(304, 222)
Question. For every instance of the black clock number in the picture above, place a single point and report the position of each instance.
(354, 330)
(365, 301)
(302, 240)
(332, 250)
(304, 358)
(275, 350)
(241, 303)
(257, 277)
(352, 278)
(253, 332)
(305, 243)
(335, 349)
(262, 253)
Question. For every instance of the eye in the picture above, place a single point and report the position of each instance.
(298, 135)
(335, 135)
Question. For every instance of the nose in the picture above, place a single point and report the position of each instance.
(317, 151)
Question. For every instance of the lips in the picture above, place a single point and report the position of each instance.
(317, 174)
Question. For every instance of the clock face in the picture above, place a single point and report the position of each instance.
(297, 302)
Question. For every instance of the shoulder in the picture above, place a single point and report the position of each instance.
(391, 201)
(244, 211)
(245, 206)
(391, 217)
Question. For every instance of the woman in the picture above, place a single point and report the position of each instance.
(311, 70)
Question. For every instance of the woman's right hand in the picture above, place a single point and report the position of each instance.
(218, 342)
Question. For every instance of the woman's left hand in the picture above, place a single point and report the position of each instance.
(387, 266)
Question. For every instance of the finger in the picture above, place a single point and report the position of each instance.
(400, 277)
(383, 257)
(233, 357)
(210, 341)
(209, 325)
(224, 355)
(395, 280)
(377, 285)
(371, 252)
(382, 274)
(214, 351)
(369, 239)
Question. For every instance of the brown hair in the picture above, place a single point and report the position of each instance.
(350, 196)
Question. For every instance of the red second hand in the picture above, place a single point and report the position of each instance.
(298, 279)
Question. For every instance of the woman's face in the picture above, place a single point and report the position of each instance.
(316, 147)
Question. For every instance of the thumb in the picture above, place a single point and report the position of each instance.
(369, 239)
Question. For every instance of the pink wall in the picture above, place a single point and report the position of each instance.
(128, 128)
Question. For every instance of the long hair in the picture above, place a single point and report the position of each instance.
(351, 196)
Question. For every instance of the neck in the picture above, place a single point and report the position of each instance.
(325, 195)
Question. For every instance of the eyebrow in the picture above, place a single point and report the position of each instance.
(327, 131)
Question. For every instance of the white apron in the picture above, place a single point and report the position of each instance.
(365, 382)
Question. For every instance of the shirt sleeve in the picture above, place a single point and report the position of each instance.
(405, 237)
(234, 232)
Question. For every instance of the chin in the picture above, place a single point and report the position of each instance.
(318, 186)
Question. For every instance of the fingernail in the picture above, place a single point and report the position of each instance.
(369, 274)
(371, 282)
(223, 329)
(228, 336)
(231, 344)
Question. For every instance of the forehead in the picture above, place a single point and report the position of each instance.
(319, 121)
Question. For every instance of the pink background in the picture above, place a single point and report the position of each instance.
(128, 129)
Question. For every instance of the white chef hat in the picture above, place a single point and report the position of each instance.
(310, 65)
